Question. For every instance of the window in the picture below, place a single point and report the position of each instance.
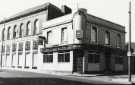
(118, 60)
(14, 31)
(8, 50)
(13, 47)
(3, 34)
(8, 33)
(64, 57)
(36, 27)
(94, 34)
(107, 38)
(49, 37)
(20, 46)
(93, 58)
(118, 40)
(48, 58)
(21, 30)
(35, 45)
(3, 48)
(28, 28)
(27, 45)
(64, 36)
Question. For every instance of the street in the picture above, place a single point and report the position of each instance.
(29, 78)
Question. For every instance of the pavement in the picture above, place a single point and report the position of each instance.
(90, 79)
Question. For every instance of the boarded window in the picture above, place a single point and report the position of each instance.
(93, 58)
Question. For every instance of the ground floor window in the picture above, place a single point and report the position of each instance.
(118, 60)
(48, 58)
(93, 58)
(64, 57)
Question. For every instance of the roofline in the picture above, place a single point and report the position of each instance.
(107, 21)
(27, 12)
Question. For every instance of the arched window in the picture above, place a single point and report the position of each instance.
(28, 28)
(107, 38)
(8, 33)
(21, 30)
(3, 34)
(36, 27)
(118, 40)
(14, 31)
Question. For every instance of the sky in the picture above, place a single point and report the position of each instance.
(112, 10)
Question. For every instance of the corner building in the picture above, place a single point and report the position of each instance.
(52, 39)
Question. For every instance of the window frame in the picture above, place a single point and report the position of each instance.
(14, 47)
(21, 30)
(15, 32)
(48, 57)
(35, 45)
(93, 58)
(62, 58)
(3, 34)
(49, 41)
(64, 35)
(95, 35)
(7, 49)
(107, 36)
(27, 45)
(118, 42)
(36, 28)
(28, 28)
(8, 33)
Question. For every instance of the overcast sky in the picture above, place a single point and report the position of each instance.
(112, 10)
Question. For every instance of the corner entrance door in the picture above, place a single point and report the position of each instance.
(78, 62)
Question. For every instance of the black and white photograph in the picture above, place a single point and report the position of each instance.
(67, 42)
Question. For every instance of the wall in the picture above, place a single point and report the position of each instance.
(56, 32)
(101, 34)
(58, 66)
(42, 16)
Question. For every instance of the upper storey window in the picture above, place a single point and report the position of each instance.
(8, 33)
(118, 40)
(21, 30)
(94, 34)
(15, 31)
(28, 28)
(3, 34)
(64, 36)
(107, 37)
(36, 27)
(49, 37)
